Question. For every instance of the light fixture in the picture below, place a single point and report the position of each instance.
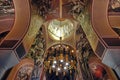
(65, 68)
(72, 51)
(67, 63)
(61, 59)
(58, 69)
(54, 62)
(53, 66)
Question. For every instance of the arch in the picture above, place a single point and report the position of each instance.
(3, 34)
(100, 21)
(21, 23)
(25, 63)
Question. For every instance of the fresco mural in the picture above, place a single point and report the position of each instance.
(114, 6)
(24, 73)
(98, 71)
(6, 7)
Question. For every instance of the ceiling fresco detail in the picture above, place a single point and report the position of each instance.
(64, 28)
(60, 29)
(36, 53)
(43, 6)
(114, 6)
(37, 49)
(51, 7)
(24, 73)
(6, 7)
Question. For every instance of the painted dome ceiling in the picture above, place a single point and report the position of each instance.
(60, 29)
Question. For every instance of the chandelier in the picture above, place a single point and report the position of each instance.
(60, 59)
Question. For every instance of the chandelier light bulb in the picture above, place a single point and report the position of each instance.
(53, 66)
(72, 51)
(67, 63)
(71, 60)
(65, 68)
(58, 69)
(61, 60)
(54, 62)
(67, 47)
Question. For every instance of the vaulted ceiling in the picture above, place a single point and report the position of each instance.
(75, 21)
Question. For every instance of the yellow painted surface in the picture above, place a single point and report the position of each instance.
(36, 22)
(84, 20)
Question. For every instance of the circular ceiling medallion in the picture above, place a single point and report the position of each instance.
(60, 28)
